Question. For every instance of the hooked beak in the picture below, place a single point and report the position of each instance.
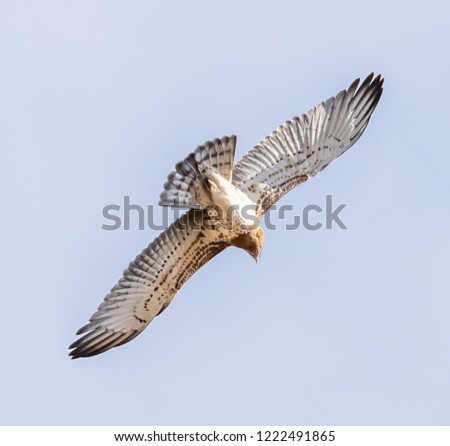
(256, 255)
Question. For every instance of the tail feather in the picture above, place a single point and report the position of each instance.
(186, 186)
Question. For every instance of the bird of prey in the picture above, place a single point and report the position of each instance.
(224, 202)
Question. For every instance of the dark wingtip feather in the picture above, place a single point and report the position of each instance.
(91, 344)
(353, 86)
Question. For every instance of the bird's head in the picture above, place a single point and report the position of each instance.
(251, 242)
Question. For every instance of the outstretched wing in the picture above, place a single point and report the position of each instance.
(305, 145)
(149, 284)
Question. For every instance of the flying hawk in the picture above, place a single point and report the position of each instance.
(225, 203)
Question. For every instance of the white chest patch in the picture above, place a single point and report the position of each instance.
(234, 204)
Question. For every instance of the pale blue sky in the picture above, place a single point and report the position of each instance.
(99, 99)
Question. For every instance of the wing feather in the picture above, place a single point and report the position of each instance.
(149, 284)
(305, 145)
